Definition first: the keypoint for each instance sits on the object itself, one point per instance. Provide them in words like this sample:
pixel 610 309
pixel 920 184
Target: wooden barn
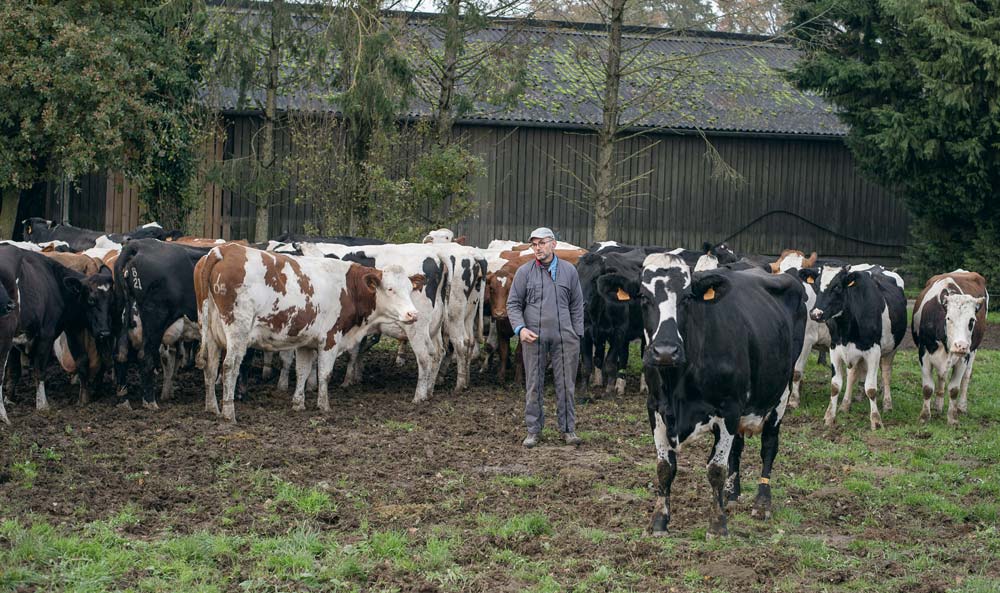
pixel 796 183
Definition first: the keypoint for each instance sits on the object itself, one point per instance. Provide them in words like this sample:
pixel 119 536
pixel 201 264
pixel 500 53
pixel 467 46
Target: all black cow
pixel 50 299
pixel 865 310
pixel 154 287
pixel 722 348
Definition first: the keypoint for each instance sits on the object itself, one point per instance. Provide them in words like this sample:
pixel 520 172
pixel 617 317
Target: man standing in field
pixel 545 306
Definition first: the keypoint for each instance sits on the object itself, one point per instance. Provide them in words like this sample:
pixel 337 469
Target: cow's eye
pixel 972 322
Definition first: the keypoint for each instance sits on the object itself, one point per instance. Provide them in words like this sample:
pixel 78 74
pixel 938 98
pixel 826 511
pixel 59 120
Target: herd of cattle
pixel 725 337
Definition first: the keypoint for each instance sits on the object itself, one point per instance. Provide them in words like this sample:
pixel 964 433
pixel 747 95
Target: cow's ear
pixel 461 240
pixel 418 281
pixel 807 276
pixel 851 278
pixel 52 224
pixel 979 303
pixel 373 280
pixel 706 247
pixel 809 261
pixel 710 287
pixel 73 284
pixel 617 288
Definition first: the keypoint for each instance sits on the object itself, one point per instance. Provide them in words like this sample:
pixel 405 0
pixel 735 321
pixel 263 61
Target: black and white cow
pixel 865 309
pixel 154 287
pixel 949 320
pixel 50 299
pixel 40 230
pixel 721 351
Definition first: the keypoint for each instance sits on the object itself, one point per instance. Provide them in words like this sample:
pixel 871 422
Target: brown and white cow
pixel 252 298
pixel 949 320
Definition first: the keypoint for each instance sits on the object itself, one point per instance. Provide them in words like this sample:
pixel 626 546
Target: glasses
pixel 537 244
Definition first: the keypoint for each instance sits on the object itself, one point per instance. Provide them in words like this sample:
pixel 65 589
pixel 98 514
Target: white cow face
pixel 392 295
pixel 960 320
pixel 666 280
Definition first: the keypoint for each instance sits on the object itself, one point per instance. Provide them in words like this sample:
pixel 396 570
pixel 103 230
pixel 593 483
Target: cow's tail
pixel 203 301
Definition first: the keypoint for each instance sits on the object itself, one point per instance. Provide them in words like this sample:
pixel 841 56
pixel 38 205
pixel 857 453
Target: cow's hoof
pixel 829 420
pixel 298 407
pixel 761 512
pixel 952 420
pixel 43 409
pixel 716 531
pixel 212 410
pixel 876 422
pixel 124 405
pixel 658 526
pixel 150 405
pixel 229 413
pixel 925 415
pixel 793 402
pixel 886 405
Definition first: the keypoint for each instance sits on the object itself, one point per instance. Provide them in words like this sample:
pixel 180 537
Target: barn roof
pixel 735 83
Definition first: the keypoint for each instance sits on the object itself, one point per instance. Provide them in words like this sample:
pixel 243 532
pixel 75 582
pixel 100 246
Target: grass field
pixel 383 495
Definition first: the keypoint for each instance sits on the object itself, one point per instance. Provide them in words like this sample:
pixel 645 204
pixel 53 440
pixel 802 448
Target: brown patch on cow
pixel 224 273
pixel 84 264
pixel 834 390
pixel 871 393
pixel 419 281
pixel 357 301
pixel 275 277
pixel 292 319
pixel 807 262
pixel 796 376
pixel 461 240
pixel 110 258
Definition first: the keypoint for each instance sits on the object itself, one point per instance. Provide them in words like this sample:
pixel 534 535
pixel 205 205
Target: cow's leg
pixel 612 365
pixel 852 379
pixel 168 361
pixel 352 375
pixel 666 469
pixel 324 366
pixel 121 354
pixel 287 358
pixel 823 357
pixel 835 384
pixel 266 365
pixel 872 359
pixel 597 379
pixel 927 381
pixel 12 375
pixel 463 348
pixel 955 389
pixel 492 342
pixel 963 399
pixel 304 358
pixel 885 364
pixel 4 355
pixel 768 451
pixel 209 356
pixel 423 349
pixel 401 353
pixel 235 352
pixel 939 382
pixel 733 489
pixel 800 369
pixel 622 369
pixel 152 338
pixel 718 470
pixel 587 354
pixel 503 349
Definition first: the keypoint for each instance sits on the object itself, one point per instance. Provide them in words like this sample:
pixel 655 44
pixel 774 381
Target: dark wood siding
pixel 792 192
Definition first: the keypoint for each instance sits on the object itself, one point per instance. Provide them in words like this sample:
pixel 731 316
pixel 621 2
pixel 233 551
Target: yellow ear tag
pixel 810 280
pixel 623 296
pixel 709 295
pixel 851 283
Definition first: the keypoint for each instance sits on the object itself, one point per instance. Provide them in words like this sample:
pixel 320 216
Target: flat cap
pixel 542 233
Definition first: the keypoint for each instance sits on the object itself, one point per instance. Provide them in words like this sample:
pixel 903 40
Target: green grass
pixel 518 526
pixel 308 501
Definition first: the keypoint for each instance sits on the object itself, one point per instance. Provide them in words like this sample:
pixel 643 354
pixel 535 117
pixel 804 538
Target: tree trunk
pixel 454 40
pixel 267 163
pixel 8 212
pixel 608 134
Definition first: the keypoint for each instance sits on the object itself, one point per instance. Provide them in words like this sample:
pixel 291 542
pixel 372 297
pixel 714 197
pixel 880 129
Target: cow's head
pixel 37 230
pixel 391 287
pixel 664 287
pixel 714 256
pixel 497 290
pixel 441 236
pixel 94 294
pixel 832 299
pixel 589 268
pixel 960 319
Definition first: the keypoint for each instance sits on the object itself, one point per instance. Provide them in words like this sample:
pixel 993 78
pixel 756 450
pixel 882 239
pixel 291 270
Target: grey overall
pixel 553 309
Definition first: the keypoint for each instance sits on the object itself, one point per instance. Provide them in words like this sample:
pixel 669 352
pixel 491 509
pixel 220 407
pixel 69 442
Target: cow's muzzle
pixel 960 348
pixel 664 355
pixel 410 317
pixel 816 314
pixel 103 334
pixel 8 307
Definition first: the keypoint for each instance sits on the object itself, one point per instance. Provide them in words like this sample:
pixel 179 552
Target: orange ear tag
pixel 623 296
pixel 810 280
pixel 851 283
pixel 709 295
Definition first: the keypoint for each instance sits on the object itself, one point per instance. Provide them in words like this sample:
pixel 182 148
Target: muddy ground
pixel 389 464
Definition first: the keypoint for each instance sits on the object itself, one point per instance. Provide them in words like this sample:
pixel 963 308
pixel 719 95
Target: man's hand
pixel 527 335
